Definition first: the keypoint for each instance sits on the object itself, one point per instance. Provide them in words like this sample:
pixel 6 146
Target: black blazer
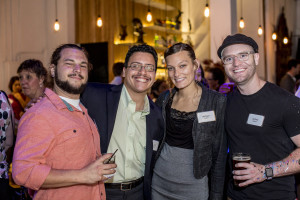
pixel 101 101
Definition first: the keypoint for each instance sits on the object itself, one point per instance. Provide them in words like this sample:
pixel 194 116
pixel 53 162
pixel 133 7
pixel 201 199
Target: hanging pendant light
pixel 206 10
pixel 242 23
pixel 56 23
pixel 274 36
pixel 149 15
pixel 99 21
pixel 285 40
pixel 260 30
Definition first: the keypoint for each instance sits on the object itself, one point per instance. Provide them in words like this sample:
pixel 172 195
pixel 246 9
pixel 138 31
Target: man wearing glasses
pixel 129 121
pixel 262 120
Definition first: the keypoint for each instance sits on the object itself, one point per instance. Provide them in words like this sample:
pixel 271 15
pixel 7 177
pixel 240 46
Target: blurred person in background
pixel 215 77
pixel 33 78
pixel 288 81
pixel 117 70
pixel 159 86
pixel 199 76
pixel 17 99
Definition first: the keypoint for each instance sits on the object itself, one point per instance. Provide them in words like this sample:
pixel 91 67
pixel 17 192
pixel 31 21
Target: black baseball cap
pixel 237 39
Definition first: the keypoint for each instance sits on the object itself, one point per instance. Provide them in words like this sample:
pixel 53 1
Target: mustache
pixel 72 75
pixel 141 76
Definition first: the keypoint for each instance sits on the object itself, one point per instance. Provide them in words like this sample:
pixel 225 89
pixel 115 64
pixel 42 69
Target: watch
pixel 269 173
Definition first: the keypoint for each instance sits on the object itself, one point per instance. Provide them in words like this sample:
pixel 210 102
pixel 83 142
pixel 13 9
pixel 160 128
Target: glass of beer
pixel 239 158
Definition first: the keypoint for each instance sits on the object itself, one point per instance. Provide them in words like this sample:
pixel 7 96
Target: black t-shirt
pixel 278 111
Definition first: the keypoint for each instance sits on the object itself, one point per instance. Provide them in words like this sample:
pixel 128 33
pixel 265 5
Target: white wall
pixel 26 31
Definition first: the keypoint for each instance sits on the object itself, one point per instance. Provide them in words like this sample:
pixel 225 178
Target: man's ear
pixel 123 73
pixel 256 58
pixel 52 70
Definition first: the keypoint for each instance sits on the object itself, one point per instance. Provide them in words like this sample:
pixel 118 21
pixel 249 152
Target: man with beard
pixel 129 121
pixel 262 120
pixel 57 152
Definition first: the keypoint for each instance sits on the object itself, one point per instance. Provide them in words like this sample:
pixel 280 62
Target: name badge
pixel 256 120
pixel 208 116
pixel 155 145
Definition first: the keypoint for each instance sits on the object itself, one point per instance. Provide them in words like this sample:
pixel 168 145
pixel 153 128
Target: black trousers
pixel 134 194
pixel 4 189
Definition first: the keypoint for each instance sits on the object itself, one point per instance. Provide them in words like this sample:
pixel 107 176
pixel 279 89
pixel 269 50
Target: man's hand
pixel 95 171
pixel 253 173
pixel 90 174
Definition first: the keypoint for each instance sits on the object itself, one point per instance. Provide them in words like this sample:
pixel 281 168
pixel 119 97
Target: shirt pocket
pixel 72 145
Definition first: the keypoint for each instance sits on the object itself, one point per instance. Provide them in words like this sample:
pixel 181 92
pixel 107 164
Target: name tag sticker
pixel 256 120
pixel 208 116
pixel 155 145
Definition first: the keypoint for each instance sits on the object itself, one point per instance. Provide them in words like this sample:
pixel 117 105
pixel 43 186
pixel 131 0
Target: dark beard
pixel 65 86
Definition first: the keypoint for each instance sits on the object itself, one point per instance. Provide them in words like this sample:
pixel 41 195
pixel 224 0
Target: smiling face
pixel 181 69
pixel 31 84
pixel 139 81
pixel 71 73
pixel 240 72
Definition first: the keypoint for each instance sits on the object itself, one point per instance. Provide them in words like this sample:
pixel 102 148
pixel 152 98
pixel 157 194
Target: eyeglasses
pixel 244 56
pixel 139 66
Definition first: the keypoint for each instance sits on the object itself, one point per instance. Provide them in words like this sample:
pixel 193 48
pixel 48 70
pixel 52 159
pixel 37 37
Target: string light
pixel 206 10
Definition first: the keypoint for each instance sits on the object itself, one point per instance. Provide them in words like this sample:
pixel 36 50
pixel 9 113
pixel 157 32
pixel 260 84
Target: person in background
pixel 262 120
pixel 33 78
pixel 199 76
pixel 288 81
pixel 6 141
pixel 159 86
pixel 215 77
pixel 193 154
pixel 129 121
pixel 17 99
pixel 57 151
pixel 117 70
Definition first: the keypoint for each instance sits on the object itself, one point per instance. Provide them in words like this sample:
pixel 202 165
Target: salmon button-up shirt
pixel 54 135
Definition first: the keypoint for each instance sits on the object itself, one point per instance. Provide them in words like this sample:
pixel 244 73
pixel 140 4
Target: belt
pixel 125 185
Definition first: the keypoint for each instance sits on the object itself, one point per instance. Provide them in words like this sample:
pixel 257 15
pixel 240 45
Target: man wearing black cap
pixel 262 120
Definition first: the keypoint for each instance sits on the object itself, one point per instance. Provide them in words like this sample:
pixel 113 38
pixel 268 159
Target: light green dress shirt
pixel 129 136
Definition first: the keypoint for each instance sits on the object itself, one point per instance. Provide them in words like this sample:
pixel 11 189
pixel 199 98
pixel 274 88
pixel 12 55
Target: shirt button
pixel 74 131
pixel 83 113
